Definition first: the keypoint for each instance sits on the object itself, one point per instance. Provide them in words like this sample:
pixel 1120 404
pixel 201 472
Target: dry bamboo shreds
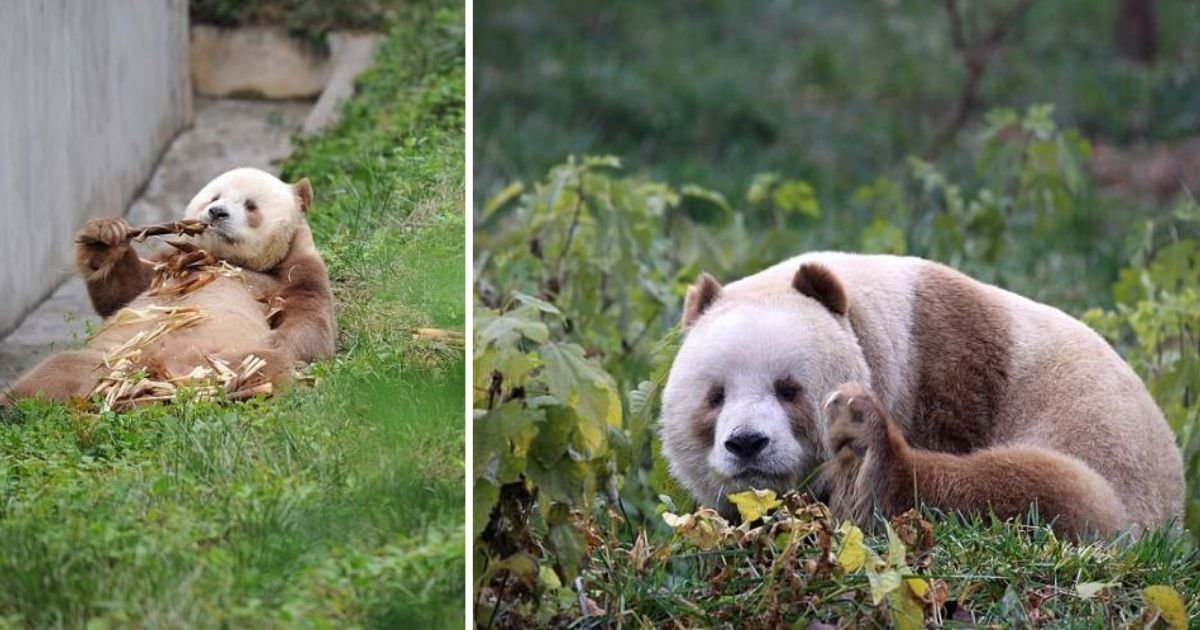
pixel 436 334
pixel 140 233
pixel 274 305
pixel 128 385
pixel 179 228
pixel 168 318
pixel 188 271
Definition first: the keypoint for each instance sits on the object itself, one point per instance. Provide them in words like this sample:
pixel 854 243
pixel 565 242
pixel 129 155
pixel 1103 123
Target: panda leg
pixel 874 468
pixel 59 377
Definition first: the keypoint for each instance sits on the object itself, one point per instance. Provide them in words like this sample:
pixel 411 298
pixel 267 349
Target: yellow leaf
pixel 918 586
pixel 908 611
pixel 754 504
pixel 896 550
pixel 852 554
pixel 1168 603
pixel 549 578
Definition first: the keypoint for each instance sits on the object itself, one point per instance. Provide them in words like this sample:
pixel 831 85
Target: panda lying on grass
pixel 234 307
pixel 886 382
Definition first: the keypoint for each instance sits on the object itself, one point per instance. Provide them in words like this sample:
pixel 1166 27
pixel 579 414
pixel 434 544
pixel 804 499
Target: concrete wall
pixel 91 91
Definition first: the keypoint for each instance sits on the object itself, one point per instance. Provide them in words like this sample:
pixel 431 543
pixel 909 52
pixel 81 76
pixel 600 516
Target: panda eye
pixel 787 390
pixel 251 206
pixel 716 397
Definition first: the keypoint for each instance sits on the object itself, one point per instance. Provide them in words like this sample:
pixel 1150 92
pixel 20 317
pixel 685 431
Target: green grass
pixel 1008 574
pixel 332 506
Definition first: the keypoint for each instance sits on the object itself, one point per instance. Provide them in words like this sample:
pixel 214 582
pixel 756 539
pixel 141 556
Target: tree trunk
pixel 1137 31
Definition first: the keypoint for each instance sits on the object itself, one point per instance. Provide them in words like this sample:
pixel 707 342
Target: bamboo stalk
pixel 437 334
pixel 178 228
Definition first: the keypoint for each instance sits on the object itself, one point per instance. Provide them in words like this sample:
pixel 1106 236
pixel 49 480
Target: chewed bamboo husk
pixel 129 385
pixel 168 318
pixel 274 305
pixel 452 337
pixel 178 228
pixel 189 270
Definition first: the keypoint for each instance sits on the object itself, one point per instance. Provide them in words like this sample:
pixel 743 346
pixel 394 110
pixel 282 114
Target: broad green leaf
pixel 760 187
pixel 568 547
pixel 797 197
pixel 483 500
pixel 1168 603
pixel 509 328
pixel 537 303
pixel 548 578
pixel 754 504
pixel 520 564
pixel 580 383
pixel 896 551
pixel 502 440
pixel 711 196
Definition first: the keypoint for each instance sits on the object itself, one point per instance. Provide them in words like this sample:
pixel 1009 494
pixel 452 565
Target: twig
pixel 975 57
pixel 178 228
pixel 558 278
pixel 437 334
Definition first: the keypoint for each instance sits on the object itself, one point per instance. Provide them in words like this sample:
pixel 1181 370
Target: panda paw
pixel 856 420
pixel 103 232
pixel 101 242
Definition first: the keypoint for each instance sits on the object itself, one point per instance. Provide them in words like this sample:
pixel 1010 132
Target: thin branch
pixel 974 57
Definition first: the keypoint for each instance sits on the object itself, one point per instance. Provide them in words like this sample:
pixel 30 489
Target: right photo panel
pixel 836 314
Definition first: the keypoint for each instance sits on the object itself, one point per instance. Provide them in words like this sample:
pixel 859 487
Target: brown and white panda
pixel 270 298
pixel 890 381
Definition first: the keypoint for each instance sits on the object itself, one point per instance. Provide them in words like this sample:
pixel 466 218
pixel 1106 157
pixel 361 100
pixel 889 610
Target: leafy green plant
pixel 546 428
pixel 569 482
pixel 1156 325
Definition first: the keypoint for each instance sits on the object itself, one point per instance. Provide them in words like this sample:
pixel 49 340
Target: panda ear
pixel 818 282
pixel 304 193
pixel 700 296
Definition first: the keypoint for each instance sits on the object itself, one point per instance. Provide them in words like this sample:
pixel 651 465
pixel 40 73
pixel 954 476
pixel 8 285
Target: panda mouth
pixel 757 478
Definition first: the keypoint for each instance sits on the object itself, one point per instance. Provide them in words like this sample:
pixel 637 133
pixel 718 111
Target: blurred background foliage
pixel 1048 147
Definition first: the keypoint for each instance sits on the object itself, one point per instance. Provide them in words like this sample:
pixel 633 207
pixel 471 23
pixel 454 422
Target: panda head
pixel 252 217
pixel 742 404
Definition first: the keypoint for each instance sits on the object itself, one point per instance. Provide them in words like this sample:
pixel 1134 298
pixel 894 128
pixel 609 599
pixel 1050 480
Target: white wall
pixel 91 91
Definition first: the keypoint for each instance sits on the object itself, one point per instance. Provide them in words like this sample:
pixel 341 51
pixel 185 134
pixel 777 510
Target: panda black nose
pixel 217 213
pixel 747 444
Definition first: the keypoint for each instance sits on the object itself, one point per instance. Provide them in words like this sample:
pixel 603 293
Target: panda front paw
pixel 101 242
pixel 845 416
pixel 856 421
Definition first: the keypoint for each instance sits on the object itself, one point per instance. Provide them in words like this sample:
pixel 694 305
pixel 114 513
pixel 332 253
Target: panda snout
pixel 747 444
pixel 216 213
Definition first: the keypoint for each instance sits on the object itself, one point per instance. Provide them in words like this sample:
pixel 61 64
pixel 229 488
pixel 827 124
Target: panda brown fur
pixel 256 224
pixel 889 382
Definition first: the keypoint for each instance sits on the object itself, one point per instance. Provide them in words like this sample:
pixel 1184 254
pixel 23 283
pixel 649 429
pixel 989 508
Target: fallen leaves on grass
pixel 1165 602
pixel 754 504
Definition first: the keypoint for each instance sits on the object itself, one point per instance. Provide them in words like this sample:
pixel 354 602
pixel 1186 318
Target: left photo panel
pixel 232 356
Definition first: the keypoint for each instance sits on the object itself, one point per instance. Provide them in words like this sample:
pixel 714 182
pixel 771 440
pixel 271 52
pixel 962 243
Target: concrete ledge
pixel 351 54
pixel 255 62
